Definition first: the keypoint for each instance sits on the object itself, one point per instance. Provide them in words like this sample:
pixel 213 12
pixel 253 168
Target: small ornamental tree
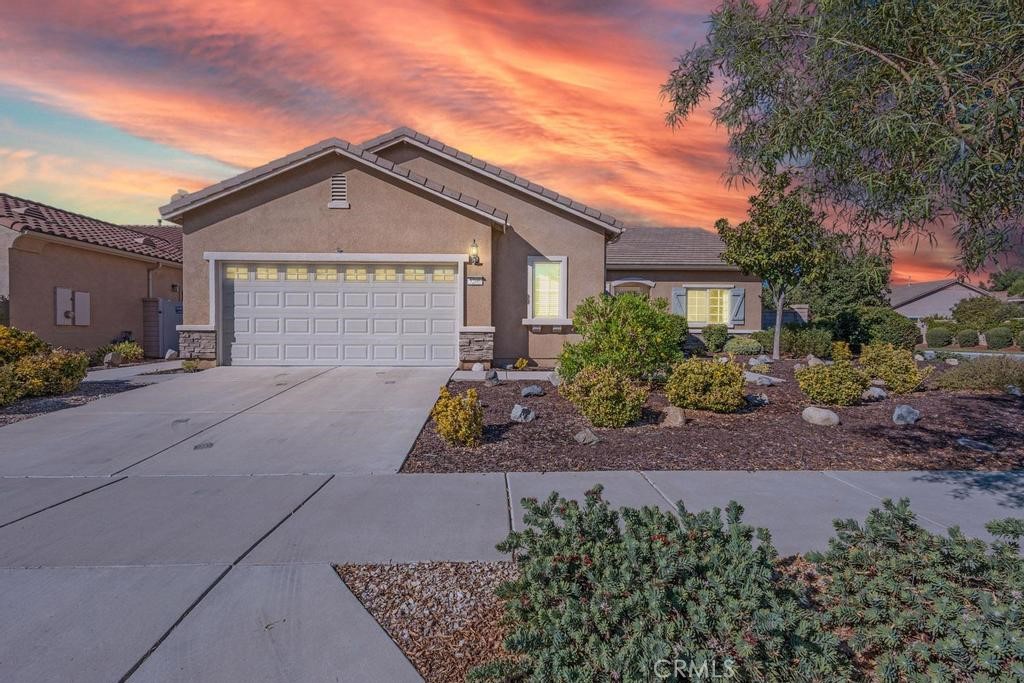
pixel 783 243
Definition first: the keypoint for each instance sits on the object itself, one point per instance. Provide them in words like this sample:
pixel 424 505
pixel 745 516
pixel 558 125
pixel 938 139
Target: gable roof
pixel 343 148
pixel 25 215
pixel 904 294
pixel 667 247
pixel 603 220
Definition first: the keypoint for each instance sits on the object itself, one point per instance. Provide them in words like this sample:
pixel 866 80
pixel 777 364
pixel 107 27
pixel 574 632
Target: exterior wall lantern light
pixel 474 254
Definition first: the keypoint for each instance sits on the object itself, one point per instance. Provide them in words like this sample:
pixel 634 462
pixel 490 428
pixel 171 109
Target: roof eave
pixel 671 266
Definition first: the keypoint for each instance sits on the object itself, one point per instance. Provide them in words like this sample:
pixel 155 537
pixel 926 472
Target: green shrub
pixel 803 341
pixel 998 337
pixel 841 351
pixel 921 606
pixel 99 353
pixel 989 372
pixel 967 338
pixel 11 387
pixel 605 396
pixel 896 366
pixel 190 365
pixel 459 419
pixel 51 374
pixel 1016 325
pixel 939 337
pixel 939 321
pixel 983 312
pixel 885 326
pixel 15 344
pixel 715 337
pixel 706 385
pixel 743 346
pixel 131 351
pixel 628 332
pixel 1020 340
pixel 839 384
pixel 604 597
pixel 766 338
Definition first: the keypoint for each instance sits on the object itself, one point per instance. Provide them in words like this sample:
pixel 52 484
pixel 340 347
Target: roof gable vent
pixel 339 192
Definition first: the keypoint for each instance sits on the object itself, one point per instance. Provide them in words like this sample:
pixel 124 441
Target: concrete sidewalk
pixel 130 371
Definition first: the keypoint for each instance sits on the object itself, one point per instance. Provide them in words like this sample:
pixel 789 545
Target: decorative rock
pixel 522 414
pixel 928 355
pixel 919 357
pixel 874 394
pixel 761 380
pixel 813 360
pixel 556 379
pixel 674 417
pixel 586 437
pixel 492 382
pixel 478 367
pixel 797 367
pixel 171 355
pixel 112 359
pixel 756 400
pixel 830 363
pixel 723 360
pixel 820 416
pixel 953 361
pixel 532 390
pixel 878 383
pixel 491 374
pixel 975 445
pixel 905 415
pixel 1014 390
pixel 763 359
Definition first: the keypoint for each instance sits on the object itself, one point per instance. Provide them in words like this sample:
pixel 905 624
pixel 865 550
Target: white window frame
pixel 705 287
pixel 563 298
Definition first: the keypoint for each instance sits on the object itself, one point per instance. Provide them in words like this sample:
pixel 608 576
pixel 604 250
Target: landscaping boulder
pixel 492 382
pixel 1013 390
pixel 478 367
pixel 723 359
pixel 975 445
pixel 532 390
pixel 953 361
pixel 878 383
pixel 586 437
pixel 112 360
pixel 674 417
pixel 763 359
pixel 491 374
pixel 919 357
pixel 522 414
pixel 928 355
pixel 820 416
pixel 761 380
pixel 874 394
pixel 756 400
pixel 556 379
pixel 171 355
pixel 905 415
pixel 813 360
pixel 797 367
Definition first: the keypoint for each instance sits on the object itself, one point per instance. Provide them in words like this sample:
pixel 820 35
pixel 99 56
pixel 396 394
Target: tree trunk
pixel 777 342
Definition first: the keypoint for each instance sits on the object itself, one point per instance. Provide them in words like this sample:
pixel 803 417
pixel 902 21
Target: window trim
pixel 563 299
pixel 704 287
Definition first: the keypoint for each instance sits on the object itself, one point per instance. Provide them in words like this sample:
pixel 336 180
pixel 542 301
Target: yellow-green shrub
pixel 762 368
pixel 15 344
pixel 706 385
pixel 896 366
pixel 841 351
pixel 131 351
pixel 606 396
pixel 51 374
pixel 459 419
pixel 839 384
pixel 10 385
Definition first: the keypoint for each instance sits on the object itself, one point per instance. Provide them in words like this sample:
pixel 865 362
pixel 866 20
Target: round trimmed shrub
pixel 131 351
pixel 896 366
pixel 459 419
pixel 840 384
pixel 967 338
pixel 939 337
pixel 803 341
pixel 15 344
pixel 886 326
pixel 51 374
pixel 743 346
pixel 998 337
pixel 706 385
pixel 841 351
pixel 715 337
pixel 11 388
pixel 607 397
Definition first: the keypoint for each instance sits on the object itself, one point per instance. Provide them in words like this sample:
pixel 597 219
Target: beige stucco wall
pixel 937 303
pixel 665 280
pixel 116 287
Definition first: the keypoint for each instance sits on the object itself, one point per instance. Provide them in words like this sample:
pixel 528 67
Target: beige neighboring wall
pixel 937 303
pixel 116 286
pixel 535 229
pixel 666 280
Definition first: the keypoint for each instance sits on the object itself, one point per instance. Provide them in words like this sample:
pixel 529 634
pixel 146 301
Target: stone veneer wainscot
pixel 197 344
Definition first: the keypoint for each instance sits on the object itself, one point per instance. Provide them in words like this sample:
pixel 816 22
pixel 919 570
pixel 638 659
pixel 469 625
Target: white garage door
pixel 339 314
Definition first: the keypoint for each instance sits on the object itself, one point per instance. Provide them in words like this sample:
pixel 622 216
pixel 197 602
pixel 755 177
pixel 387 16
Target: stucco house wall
pixel 937 303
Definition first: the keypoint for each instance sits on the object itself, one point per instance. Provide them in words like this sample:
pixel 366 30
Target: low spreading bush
pixel 605 396
pixel 628 332
pixel 939 337
pixel 766 338
pixel 840 384
pixel 998 337
pixel 896 366
pixel 841 351
pixel 803 341
pixel 1020 340
pixel 989 372
pixel 706 385
pixel 190 365
pixel 51 374
pixel 15 344
pixel 131 351
pixel 967 338
pixel 715 337
pixel 459 419
pixel 743 346
pixel 762 368
pixel 10 385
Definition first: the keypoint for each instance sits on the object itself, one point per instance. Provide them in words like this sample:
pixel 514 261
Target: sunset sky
pixel 108 108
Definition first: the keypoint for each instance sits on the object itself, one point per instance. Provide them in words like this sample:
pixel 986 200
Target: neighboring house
pixel 924 299
pixel 80 282
pixel 399 251
pixel 685 267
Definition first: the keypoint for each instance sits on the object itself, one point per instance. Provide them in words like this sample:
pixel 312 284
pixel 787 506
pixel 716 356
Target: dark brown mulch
pixel 443 615
pixel 88 391
pixel 773 437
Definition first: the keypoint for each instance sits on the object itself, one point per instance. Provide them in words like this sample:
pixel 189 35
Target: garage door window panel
pixel 266 272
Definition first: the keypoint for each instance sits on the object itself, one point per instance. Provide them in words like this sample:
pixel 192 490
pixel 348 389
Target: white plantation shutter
pixel 546 294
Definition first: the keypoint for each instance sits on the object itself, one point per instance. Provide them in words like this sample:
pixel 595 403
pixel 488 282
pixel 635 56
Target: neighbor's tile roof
pixel 162 242
pixel 902 294
pixel 177 206
pixel 404 133
pixel 666 247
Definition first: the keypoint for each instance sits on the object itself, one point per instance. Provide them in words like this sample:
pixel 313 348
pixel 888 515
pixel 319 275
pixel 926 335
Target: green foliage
pixel 15 344
pixel 967 338
pixel 762 368
pixel 800 340
pixel 51 374
pixel 1003 280
pixel 607 397
pixel 923 606
pixel 743 346
pixel 882 325
pixel 628 332
pixel 941 321
pixel 839 384
pixel 998 337
pixel 1020 340
pixel 896 366
pixel 983 312
pixel 939 337
pixel 706 385
pixel 715 337
pixel 459 419
pixel 989 372
pixel 11 388
pixel 602 598
pixel 190 365
pixel 897 116
pixel 856 276
pixel 841 351
pixel 131 351
pixel 5 311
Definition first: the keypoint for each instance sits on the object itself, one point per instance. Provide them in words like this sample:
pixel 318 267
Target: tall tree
pixel 856 276
pixel 897 116
pixel 782 242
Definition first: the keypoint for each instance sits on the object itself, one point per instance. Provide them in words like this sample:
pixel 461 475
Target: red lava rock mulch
pixel 443 615
pixel 88 391
pixel 773 437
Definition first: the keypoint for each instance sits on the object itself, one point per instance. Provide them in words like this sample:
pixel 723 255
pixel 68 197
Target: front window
pixel 707 306
pixel 547 288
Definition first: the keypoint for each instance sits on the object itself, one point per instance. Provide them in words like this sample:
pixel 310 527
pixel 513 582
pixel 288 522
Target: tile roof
pixel 607 221
pixel 162 242
pixel 666 247
pixel 337 145
pixel 904 294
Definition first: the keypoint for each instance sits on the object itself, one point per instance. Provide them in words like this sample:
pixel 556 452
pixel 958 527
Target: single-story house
pixel 79 282
pixel 923 299
pixel 401 250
